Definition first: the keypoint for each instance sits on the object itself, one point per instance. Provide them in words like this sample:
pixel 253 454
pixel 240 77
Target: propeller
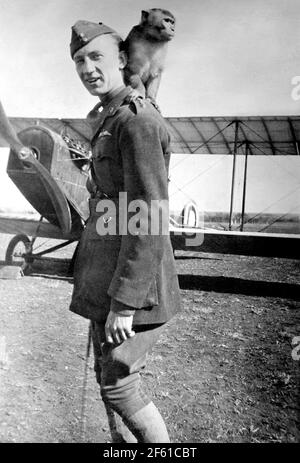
pixel 26 155
pixel 8 132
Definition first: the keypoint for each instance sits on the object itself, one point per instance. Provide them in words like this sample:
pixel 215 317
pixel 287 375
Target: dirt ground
pixel 224 371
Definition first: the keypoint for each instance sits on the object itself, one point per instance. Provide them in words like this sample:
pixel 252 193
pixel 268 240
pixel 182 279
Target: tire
pixel 20 244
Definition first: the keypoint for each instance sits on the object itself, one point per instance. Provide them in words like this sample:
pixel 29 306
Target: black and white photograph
pixel 150 224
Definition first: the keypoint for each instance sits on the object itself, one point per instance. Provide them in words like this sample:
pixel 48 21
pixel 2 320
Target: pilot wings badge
pixel 104 133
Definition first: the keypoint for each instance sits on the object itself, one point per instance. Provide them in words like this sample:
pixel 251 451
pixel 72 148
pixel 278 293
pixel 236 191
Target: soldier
pixel 125 283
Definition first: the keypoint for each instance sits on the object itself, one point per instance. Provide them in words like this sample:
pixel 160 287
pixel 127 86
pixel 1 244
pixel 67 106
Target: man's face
pixel 99 65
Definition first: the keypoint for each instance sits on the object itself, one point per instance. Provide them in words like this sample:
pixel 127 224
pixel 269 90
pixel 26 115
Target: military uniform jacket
pixel 117 269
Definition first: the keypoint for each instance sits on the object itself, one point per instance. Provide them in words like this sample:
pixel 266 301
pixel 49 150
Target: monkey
pixel 146 49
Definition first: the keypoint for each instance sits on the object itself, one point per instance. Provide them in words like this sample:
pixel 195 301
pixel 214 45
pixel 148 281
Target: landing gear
pixel 18 251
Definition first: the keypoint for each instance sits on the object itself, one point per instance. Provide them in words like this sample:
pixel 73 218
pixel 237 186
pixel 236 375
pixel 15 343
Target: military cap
pixel 85 31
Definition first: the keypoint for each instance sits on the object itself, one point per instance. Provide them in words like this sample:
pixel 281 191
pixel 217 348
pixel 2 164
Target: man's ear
pixel 122 60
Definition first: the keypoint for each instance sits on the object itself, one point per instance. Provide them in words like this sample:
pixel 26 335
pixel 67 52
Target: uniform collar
pixel 108 98
pixel 107 107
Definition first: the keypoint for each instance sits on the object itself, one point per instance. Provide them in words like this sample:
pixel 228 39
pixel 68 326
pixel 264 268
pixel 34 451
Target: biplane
pixel 54 179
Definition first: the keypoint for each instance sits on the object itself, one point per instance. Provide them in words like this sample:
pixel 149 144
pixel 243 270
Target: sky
pixel 228 57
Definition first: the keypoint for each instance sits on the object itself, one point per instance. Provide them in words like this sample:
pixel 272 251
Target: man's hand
pixel 118 328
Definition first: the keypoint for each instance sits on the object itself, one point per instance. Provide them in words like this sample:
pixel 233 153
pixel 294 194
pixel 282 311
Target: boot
pixel 119 432
pixel 147 425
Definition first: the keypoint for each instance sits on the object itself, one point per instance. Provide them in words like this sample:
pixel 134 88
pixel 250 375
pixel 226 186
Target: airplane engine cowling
pixel 54 154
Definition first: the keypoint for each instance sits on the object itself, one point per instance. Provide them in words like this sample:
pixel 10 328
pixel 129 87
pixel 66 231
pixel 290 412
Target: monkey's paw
pixel 135 95
pixel 153 102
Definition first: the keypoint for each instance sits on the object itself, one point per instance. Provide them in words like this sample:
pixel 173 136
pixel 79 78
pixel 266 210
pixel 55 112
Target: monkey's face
pixel 159 25
pixel 168 27
pixel 99 65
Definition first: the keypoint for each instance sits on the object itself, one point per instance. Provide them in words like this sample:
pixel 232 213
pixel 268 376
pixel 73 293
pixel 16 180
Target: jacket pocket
pixel 103 147
pixel 105 166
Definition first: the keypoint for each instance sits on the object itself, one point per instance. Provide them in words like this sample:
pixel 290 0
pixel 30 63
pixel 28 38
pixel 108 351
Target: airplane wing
pixel 267 135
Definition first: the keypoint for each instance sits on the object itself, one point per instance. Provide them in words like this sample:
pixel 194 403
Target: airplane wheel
pixel 18 247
